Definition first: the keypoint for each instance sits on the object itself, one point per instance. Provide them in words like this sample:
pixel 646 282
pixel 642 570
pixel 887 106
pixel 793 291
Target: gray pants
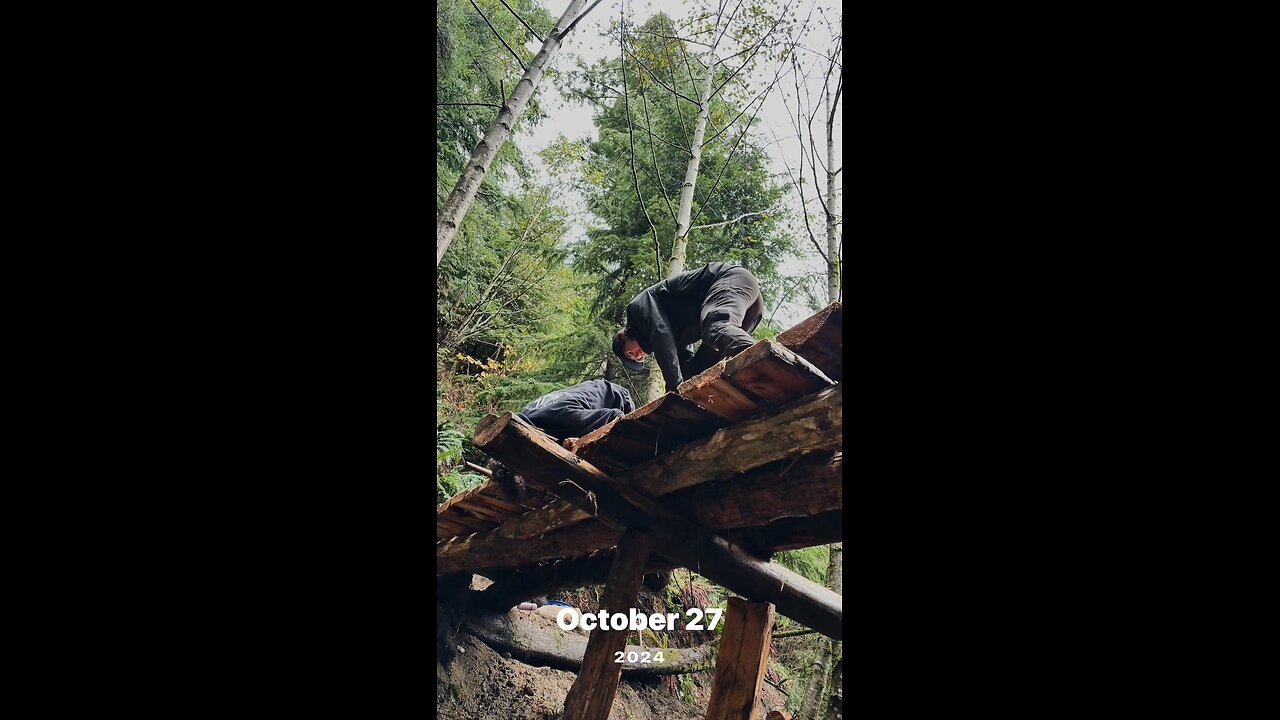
pixel 731 311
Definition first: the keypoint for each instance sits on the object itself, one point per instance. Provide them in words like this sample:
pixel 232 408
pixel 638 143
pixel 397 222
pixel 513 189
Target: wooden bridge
pixel 740 462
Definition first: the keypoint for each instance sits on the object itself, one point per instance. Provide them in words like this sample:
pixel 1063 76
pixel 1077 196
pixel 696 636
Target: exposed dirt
pixel 481 684
pixel 475 682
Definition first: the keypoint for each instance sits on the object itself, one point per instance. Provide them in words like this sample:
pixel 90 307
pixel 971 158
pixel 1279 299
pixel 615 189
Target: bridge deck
pixel 754 384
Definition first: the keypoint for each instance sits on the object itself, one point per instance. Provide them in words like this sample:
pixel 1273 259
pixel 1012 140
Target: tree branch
pixel 574 24
pixel 728 222
pixel 644 101
pixel 654 75
pixel 626 106
pixel 499 36
pixel 522 22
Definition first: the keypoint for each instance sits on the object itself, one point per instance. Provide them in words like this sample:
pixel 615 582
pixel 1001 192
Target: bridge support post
pixel 593 691
pixel 742 661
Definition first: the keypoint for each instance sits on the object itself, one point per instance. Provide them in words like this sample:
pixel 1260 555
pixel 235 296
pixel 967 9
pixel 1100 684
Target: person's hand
pixel 569 443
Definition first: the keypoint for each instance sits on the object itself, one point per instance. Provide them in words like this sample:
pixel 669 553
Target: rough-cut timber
pixel 489 550
pixel 592 569
pixel 812 424
pixel 455 208
pixel 819 339
pixel 740 667
pixel 536 457
pixel 532 641
pixel 795 489
pixel 485 505
pixel 592 693
pixel 790 533
pixel 761 378
pixel 651 430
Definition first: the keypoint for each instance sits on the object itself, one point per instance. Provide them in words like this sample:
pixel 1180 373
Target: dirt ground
pixel 481 684
pixel 478 683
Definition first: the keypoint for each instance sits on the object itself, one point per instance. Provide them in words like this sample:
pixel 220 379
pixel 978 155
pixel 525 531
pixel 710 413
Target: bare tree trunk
pixel 680 251
pixel 657 384
pixel 814 704
pixel 833 211
pixel 455 208
pixel 835 701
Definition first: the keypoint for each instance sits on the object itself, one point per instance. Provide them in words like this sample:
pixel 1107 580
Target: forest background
pixel 664 135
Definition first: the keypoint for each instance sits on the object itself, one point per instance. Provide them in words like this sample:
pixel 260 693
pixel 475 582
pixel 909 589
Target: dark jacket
pixel 579 409
pixel 666 318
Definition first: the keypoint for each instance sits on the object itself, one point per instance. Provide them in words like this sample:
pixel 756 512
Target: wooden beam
pixel 764 376
pixel 488 550
pixel 801 488
pixel 591 696
pixel 538 580
pixel 528 451
pixel 820 340
pixel 791 533
pixel 743 657
pixel 812 424
pixel 795 487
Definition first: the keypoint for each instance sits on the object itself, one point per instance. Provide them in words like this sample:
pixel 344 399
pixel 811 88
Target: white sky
pixel 575 120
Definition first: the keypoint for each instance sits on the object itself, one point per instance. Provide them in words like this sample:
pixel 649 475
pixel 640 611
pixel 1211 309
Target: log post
pixel 592 693
pixel 740 667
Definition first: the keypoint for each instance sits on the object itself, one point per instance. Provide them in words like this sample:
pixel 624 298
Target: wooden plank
pixel 803 492
pixel 820 340
pixel 528 451
pixel 742 660
pixel 488 550
pixel 591 696
pixel 482 513
pixel 797 487
pixel 533 524
pixel 791 533
pixel 654 429
pixel 462 496
pixel 498 503
pixel 711 391
pixel 777 376
pixel 813 424
pixel 467 521
pixel 450 528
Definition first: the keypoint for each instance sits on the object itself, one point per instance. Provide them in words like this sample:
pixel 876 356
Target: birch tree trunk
pixel 681 247
pixel 833 211
pixel 455 208
pixel 657 385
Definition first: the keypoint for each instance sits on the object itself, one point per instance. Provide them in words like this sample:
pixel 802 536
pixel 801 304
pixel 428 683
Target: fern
pixel 450 477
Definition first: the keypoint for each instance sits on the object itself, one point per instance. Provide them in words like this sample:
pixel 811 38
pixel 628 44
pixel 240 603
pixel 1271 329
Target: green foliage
pixel 734 179
pixel 450 477
pixel 811 562
pixel 686 688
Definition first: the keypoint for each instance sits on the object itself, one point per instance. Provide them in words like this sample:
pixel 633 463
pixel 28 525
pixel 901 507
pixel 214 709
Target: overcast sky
pixel 575 120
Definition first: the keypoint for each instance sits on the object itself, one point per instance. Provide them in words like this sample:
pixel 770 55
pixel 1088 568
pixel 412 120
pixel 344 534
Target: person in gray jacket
pixel 566 415
pixel 718 303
